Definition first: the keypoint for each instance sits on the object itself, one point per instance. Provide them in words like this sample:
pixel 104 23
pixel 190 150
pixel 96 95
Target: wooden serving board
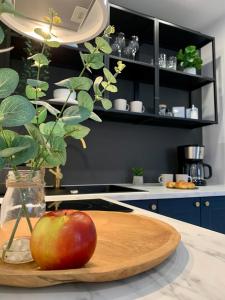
pixel 128 244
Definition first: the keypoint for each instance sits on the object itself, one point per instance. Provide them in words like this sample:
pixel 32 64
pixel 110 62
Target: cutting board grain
pixel 128 244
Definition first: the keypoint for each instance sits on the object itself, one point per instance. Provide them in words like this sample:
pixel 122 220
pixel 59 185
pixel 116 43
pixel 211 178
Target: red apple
pixel 63 239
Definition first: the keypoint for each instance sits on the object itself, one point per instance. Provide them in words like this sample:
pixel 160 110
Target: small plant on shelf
pixel 138 174
pixel 190 59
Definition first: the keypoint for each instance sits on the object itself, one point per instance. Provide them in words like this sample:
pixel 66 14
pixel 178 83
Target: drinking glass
pixel 162 60
pixel 172 63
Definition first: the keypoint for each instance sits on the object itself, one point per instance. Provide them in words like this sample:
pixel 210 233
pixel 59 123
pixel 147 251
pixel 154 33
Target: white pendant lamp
pixel 82 20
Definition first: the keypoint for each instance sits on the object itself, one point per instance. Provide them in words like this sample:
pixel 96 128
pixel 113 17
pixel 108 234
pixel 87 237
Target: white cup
pixel 121 104
pixel 183 177
pixel 62 94
pixel 137 106
pixel 164 178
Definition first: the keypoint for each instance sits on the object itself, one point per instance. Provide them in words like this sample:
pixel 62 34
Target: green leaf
pixel 89 47
pixel 109 76
pixel 43 85
pixel 53 44
pixel 16 111
pixel 74 115
pixel 48 106
pixel 109 87
pixel 56 154
pixel 52 128
pixel 8 136
pixel 42 33
pixel 40 60
pixel 77 131
pixel 106 103
pixel 9 80
pixel 33 93
pixel 97 82
pixel 6 7
pixel 2 35
pixel 85 100
pixel 24 155
pixel 35 133
pixel 76 83
pixel 103 45
pixel 95 117
pixel 5 153
pixel 94 60
pixel 41 115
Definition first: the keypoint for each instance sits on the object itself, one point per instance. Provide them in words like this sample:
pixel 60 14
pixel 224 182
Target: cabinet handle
pixel 207 203
pixel 197 204
pixel 153 207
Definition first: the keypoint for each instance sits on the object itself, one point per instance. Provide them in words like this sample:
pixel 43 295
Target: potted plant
pixel 190 59
pixel 138 174
pixel 44 143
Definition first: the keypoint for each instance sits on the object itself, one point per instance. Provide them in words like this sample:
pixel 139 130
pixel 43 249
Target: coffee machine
pixel 190 161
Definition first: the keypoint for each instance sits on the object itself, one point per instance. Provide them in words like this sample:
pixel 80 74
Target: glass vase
pixel 22 206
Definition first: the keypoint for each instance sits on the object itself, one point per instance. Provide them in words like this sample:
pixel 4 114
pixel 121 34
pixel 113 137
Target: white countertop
pixel 155 191
pixel 196 271
pixel 152 191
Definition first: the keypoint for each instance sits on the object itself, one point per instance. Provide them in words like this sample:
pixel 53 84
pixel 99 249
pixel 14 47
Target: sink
pixel 89 189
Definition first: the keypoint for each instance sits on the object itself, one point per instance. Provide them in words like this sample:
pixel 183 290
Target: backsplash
pixel 114 148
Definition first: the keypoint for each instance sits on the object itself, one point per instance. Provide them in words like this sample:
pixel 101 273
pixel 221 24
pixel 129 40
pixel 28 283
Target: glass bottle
pixel 119 44
pixel 131 50
pixel 22 206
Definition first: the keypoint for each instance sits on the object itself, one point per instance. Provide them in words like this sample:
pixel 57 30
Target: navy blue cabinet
pixel 184 209
pixel 213 213
pixel 150 205
pixel 208 212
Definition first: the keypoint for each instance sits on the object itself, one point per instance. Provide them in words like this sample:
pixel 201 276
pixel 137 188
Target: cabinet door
pixel 184 209
pixel 213 213
pixel 150 205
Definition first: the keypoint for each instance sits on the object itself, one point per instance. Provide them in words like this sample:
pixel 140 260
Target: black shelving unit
pixel 158 35
pixel 142 79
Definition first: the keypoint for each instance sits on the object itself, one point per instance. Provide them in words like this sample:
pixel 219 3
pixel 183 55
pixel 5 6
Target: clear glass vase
pixel 22 206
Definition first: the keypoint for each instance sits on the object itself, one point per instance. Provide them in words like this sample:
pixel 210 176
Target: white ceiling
pixel 195 14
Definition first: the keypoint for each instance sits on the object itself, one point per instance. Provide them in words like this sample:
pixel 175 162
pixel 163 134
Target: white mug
pixel 137 106
pixel 183 177
pixel 62 94
pixel 164 178
pixel 121 104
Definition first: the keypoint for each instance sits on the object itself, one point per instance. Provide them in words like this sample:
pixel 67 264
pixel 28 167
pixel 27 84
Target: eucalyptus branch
pixel 9 244
pixel 38 165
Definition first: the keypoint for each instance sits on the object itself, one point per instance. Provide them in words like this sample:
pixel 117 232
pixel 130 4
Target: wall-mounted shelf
pixel 167 86
pixel 150 119
pixel 181 80
pixel 141 79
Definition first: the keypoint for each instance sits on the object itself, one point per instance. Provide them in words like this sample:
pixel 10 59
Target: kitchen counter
pixel 155 191
pixel 194 272
pixel 152 191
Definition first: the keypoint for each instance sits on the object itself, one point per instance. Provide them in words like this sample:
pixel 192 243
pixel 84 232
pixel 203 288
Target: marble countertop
pixel 156 191
pixel 194 272
pixel 151 191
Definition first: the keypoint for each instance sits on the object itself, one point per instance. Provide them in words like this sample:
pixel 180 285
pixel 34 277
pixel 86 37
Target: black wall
pixel 114 148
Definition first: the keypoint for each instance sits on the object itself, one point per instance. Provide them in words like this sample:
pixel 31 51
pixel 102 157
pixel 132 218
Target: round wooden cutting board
pixel 128 244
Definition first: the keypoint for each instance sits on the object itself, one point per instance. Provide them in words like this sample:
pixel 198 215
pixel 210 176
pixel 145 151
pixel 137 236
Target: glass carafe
pixel 22 206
